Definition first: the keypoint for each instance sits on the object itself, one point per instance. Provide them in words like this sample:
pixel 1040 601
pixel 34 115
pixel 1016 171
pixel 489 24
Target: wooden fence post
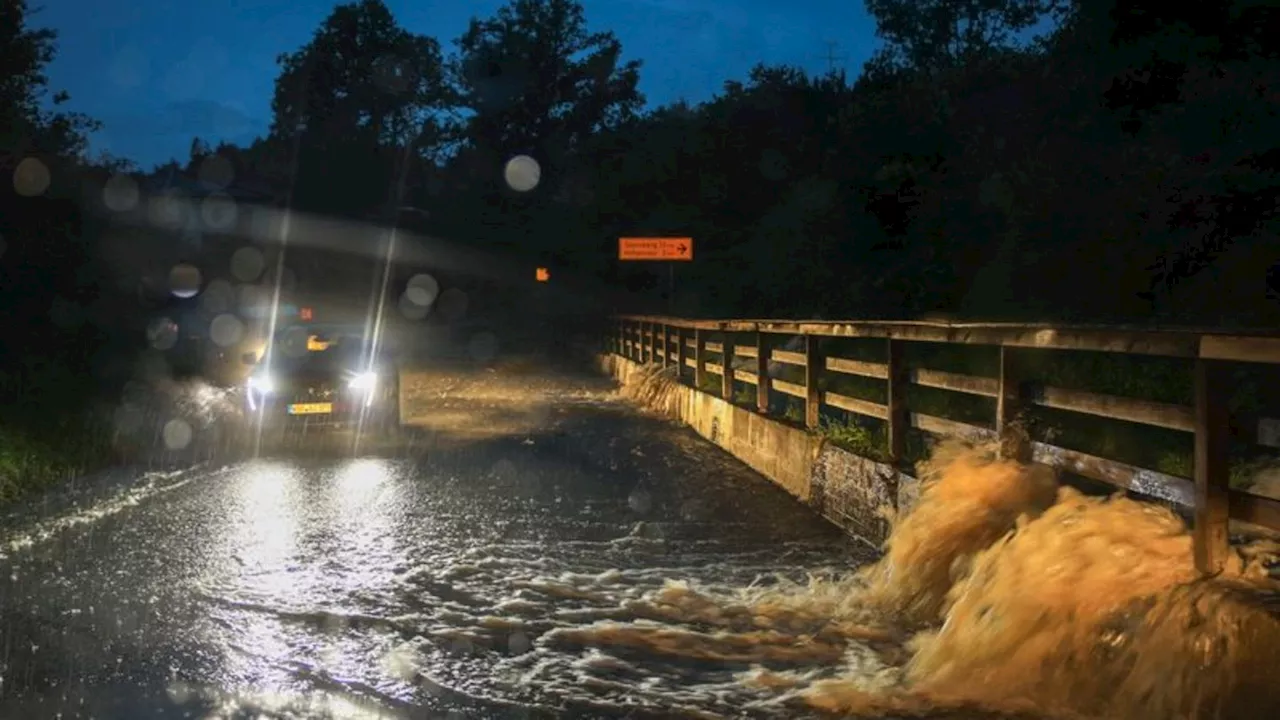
pixel 762 372
pixel 666 344
pixel 652 335
pixel 898 418
pixel 1212 468
pixel 1015 441
pixel 699 358
pixel 813 362
pixel 726 379
pixel 680 352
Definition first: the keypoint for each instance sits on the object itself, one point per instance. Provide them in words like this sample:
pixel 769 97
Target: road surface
pixel 469 570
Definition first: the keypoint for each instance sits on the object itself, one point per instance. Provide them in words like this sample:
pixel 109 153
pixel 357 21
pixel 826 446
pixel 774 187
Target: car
pixel 323 377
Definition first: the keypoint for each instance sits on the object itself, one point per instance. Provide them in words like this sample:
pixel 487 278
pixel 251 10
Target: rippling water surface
pixel 541 550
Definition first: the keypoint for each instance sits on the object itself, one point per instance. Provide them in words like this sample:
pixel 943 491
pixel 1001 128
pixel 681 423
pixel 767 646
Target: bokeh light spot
pixel 293 343
pixel 422 289
pixel 184 280
pixel 162 334
pixel 218 211
pixel 218 297
pixel 226 330
pixel 120 194
pixel 522 173
pixel 640 501
pixel 168 210
pixel 31 177
pixel 254 299
pixel 411 310
pixel 177 434
pixel 247 264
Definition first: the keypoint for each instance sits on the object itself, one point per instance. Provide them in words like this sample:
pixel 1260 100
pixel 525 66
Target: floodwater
pixel 540 549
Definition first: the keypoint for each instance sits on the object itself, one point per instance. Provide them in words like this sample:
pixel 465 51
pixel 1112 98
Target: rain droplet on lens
pixel 504 469
pixel 254 300
pixel 247 264
pixel 168 210
pixel 162 334
pixel 120 193
pixel 294 342
pixel 639 501
pixel 522 173
pixel 177 434
pixel 422 289
pixel 226 330
pixel 219 212
pixel 184 280
pixel 31 177
pixel 218 297
pixel 133 393
pixel 411 310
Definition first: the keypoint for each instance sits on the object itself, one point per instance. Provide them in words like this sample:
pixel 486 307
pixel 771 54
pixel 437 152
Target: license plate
pixel 310 408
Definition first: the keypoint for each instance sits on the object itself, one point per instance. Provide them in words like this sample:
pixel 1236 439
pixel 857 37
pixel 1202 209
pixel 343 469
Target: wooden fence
pixel 687 343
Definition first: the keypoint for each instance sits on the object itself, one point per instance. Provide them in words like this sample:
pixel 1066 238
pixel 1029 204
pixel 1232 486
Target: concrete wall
pixel 846 489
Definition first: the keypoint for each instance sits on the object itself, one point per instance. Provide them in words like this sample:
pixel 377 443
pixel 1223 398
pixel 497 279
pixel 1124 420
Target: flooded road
pixel 536 547
pixel 474 568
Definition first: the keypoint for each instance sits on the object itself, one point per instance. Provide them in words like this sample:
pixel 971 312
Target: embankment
pixel 851 491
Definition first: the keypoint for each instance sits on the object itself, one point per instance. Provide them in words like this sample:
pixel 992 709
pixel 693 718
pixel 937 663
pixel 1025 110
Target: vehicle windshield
pixel 299 348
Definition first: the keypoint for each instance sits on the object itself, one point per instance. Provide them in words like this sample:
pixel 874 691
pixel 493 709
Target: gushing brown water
pixel 999 592
pixel 1072 605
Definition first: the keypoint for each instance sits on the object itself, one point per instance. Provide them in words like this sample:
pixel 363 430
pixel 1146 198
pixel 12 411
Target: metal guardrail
pixel 649 339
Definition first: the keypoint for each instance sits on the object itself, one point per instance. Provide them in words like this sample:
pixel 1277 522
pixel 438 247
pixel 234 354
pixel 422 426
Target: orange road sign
pixel 543 275
pixel 680 248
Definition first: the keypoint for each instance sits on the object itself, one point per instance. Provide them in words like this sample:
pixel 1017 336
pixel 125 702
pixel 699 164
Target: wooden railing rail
pixel 685 343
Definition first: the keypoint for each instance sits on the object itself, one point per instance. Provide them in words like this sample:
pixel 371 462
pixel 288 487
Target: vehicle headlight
pixel 261 383
pixel 363 381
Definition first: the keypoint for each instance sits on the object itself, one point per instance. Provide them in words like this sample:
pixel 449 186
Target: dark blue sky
pixel 158 72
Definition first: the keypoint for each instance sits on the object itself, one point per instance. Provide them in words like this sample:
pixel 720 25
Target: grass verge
pixel 35 457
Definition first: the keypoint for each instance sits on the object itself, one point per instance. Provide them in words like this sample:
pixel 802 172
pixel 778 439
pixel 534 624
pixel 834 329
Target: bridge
pixel 537 546
pixel 696 350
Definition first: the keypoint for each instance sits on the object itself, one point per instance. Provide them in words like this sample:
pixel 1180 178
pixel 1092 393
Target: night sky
pixel 157 72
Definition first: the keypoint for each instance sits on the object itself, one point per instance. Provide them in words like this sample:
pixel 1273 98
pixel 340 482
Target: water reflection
pixel 301 550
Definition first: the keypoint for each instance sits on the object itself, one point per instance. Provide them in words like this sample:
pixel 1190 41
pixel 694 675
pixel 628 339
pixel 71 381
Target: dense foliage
pixel 1092 160
pixel 1011 159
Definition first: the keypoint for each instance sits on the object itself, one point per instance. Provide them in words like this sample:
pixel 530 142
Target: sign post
pixel 651 249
